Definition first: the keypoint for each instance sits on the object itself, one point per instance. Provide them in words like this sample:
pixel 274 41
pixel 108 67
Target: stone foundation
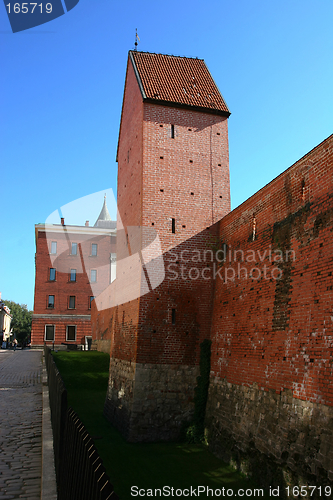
pixel 101 346
pixel 149 402
pixel 119 397
pixel 57 347
pixel 275 438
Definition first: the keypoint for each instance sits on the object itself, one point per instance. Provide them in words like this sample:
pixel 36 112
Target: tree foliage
pixel 21 322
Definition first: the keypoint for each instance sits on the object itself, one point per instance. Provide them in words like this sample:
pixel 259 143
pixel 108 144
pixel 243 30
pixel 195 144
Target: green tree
pixel 21 322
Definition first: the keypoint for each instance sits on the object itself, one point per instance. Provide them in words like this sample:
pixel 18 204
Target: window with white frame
pixel 94 249
pixel 50 332
pixel 50 302
pixel 53 247
pixel 74 249
pixel 93 276
pixel 71 302
pixel 71 333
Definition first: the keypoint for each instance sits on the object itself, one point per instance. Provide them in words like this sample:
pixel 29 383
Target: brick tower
pixel 173 177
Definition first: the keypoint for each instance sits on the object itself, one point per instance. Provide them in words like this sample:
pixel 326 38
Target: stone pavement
pixel 20 424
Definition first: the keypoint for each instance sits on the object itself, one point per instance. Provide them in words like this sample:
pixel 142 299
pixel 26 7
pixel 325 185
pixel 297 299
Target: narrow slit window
pixel 254 227
pixel 172 131
pixel 303 190
pixel 173 226
pixel 173 316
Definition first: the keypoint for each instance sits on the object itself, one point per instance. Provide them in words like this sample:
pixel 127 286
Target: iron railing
pixel 79 470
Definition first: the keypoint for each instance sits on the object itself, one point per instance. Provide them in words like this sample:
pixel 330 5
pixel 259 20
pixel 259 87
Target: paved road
pixel 20 424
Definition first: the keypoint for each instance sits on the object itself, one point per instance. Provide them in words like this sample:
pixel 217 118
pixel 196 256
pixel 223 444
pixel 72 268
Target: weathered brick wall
pixel 160 178
pixel 164 339
pixel 129 156
pixel 185 178
pixel 115 322
pixel 272 332
pixel 170 345
pixel 119 323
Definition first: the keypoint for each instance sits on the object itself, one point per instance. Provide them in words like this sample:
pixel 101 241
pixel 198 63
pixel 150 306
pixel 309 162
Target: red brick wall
pixel 185 290
pixel 62 288
pixel 279 332
pixel 129 156
pixel 160 178
pixel 83 328
pixel 186 178
pixel 111 324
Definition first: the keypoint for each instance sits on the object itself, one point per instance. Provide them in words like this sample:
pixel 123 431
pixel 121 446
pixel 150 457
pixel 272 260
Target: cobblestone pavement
pixel 20 424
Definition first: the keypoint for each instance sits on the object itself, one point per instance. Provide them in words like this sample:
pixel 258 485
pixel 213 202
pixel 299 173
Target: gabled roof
pixel 177 81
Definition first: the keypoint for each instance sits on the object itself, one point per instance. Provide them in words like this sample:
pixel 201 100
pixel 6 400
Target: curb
pixel 48 479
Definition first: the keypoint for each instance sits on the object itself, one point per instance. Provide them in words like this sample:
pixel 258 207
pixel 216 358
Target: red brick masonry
pixel 279 332
pixel 265 299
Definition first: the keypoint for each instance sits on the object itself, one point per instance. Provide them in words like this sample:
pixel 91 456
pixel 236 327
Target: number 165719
pixel 26 8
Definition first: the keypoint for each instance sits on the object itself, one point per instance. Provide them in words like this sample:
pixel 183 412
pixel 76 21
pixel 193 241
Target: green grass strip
pixel 147 466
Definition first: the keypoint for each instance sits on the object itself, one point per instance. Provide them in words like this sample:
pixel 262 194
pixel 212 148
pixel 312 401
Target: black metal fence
pixel 79 470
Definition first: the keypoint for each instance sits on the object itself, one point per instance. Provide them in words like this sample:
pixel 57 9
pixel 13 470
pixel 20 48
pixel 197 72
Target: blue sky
pixel 61 95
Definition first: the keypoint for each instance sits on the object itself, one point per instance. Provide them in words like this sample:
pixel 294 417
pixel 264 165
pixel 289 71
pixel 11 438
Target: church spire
pixel 104 216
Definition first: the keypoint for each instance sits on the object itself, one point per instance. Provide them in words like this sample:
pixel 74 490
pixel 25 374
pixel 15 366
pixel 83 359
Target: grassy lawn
pixel 146 466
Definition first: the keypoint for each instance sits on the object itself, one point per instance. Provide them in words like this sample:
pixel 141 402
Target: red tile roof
pixel 177 80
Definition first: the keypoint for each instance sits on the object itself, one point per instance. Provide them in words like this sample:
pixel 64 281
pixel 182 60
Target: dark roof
pixel 174 80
